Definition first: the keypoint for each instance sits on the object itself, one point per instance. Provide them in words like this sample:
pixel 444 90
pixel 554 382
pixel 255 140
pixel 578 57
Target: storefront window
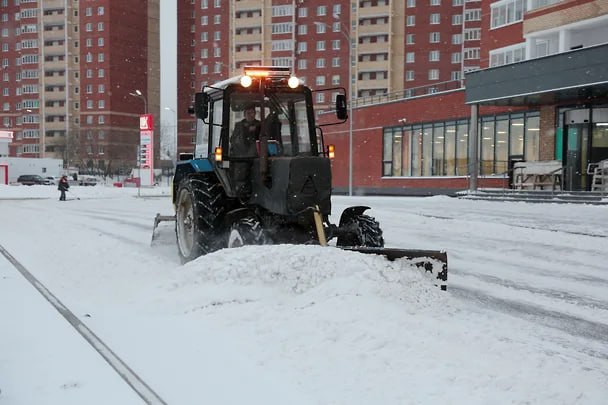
pixel 387 152
pixel 442 148
pixel 427 150
pixel 450 149
pixel 417 150
pixel 438 150
pixel 532 138
pixel 516 137
pixel 502 145
pixel 462 148
pixel 487 148
pixel 406 145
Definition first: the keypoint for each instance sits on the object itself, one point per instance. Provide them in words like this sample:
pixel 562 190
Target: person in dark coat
pixel 63 186
pixel 243 145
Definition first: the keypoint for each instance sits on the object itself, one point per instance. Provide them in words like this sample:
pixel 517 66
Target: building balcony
pixel 54 65
pixel 247 56
pixel 53 4
pixel 376 11
pixel 568 76
pixel 248 39
pixel 253 22
pixel 245 5
pixel 55 81
pixel 373 66
pixel 55 126
pixel 372 84
pixel 54 50
pixel 375 47
pixel 375 29
pixel 55 111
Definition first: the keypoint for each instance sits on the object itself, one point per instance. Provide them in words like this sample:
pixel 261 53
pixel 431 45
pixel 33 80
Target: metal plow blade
pixel 432 261
pixel 163 233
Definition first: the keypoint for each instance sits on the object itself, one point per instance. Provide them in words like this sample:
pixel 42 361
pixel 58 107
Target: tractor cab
pixel 259 132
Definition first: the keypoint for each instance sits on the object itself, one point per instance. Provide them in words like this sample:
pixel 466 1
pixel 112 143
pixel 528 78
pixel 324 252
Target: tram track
pixel 137 384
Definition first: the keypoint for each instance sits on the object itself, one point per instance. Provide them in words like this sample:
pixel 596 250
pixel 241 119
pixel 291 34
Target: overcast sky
pixel 168 59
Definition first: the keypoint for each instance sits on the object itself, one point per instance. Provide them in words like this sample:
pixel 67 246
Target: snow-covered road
pixel 524 320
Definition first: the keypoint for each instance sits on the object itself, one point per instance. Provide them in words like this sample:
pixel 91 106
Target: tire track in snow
pixel 572 325
pixel 122 369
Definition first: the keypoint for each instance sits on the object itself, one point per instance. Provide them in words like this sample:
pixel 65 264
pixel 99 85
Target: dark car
pixel 31 179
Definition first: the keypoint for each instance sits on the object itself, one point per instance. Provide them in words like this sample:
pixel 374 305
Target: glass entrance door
pixel 577 155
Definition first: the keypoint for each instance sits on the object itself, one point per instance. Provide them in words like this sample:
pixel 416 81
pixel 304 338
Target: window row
pixel 442 148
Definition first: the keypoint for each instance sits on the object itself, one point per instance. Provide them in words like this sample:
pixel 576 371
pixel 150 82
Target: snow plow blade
pixel 432 261
pixel 156 232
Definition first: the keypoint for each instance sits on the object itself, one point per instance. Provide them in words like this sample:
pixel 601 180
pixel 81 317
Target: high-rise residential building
pixel 76 75
pixel 408 63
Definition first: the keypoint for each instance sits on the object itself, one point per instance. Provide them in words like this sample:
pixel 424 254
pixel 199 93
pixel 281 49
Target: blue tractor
pixel 260 173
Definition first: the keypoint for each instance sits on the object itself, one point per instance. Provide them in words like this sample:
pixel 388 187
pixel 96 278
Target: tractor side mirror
pixel 341 109
pixel 201 105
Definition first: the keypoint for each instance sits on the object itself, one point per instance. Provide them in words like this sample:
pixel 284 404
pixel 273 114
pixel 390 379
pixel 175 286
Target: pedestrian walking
pixel 63 187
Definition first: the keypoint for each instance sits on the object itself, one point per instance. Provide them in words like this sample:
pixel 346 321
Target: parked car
pixel 31 179
pixel 53 180
pixel 87 181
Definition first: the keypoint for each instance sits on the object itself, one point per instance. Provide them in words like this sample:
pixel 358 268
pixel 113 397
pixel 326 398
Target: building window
pixel 434 56
pixel 410 39
pixel 506 12
pixel 320 45
pixel 409 75
pixel 410 57
pixel 507 55
pixel 410 20
pixel 434 37
pixel 321 10
pixel 435 18
pixel 472 34
pixel 320 62
pixel 433 74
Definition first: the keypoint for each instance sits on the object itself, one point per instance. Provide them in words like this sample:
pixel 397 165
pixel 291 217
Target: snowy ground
pixel 524 320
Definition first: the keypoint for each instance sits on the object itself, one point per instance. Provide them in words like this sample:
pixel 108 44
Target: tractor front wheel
pixel 247 231
pixel 363 230
pixel 198 217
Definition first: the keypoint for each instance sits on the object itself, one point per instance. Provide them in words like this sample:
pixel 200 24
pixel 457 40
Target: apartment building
pixel 418 73
pixel 76 75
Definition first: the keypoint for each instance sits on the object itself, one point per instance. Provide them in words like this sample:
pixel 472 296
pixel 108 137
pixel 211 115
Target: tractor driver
pixel 243 145
pixel 246 133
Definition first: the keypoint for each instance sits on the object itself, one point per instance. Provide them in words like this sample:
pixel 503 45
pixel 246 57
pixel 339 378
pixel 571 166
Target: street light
pixel 139 94
pixel 175 132
pixel 350 104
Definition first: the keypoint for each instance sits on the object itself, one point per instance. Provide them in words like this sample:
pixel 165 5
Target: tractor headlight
pixel 246 81
pixel 293 82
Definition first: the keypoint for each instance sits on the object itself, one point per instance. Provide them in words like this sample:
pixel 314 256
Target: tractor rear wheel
pixel 365 232
pixel 247 231
pixel 198 213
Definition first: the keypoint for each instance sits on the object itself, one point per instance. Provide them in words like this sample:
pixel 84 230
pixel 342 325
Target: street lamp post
pixel 174 133
pixel 350 105
pixel 139 94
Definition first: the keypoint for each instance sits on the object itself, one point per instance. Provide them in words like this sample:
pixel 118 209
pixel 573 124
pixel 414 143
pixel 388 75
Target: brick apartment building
pixel 421 69
pixel 70 71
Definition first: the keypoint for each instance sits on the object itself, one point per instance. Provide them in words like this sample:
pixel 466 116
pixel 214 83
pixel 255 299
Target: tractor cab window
pixel 281 117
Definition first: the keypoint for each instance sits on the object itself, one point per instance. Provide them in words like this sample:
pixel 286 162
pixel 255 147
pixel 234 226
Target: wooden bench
pixel 535 175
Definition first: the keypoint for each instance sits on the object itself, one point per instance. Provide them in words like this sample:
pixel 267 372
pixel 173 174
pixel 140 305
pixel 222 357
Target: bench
pixel 535 175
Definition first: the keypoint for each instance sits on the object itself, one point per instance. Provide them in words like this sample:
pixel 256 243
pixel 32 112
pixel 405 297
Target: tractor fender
pixel 351 212
pixel 186 168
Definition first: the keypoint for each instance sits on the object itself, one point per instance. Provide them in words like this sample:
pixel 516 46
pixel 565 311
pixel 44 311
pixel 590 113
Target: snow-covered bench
pixel 538 175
